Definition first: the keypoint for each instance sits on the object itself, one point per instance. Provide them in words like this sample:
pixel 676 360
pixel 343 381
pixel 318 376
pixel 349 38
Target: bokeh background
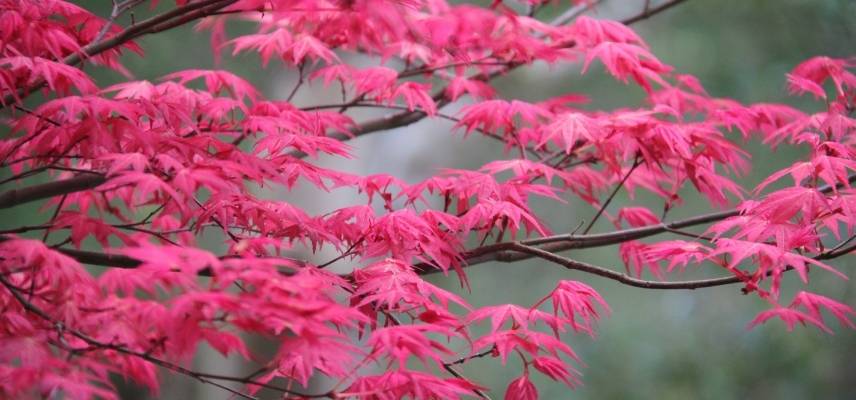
pixel 655 344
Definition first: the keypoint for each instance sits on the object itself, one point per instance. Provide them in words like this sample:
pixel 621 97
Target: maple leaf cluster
pixel 137 171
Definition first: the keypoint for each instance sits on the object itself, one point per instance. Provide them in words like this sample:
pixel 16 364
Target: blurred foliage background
pixel 654 344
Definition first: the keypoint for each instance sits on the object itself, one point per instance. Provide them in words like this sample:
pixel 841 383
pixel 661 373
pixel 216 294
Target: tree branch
pixel 28 194
pixel 619 277
pixel 574 12
pixel 646 284
pixel 839 250
pixel 649 12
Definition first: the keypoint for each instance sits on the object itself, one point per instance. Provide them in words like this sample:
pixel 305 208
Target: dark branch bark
pixel 28 194
pixel 648 13
pixel 392 121
pixel 619 277
pixel 105 259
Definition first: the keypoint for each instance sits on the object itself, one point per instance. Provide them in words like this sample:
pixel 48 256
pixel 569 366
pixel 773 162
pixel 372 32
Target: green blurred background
pixel 655 344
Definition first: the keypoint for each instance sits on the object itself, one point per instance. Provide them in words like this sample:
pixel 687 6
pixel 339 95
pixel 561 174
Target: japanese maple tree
pixel 112 283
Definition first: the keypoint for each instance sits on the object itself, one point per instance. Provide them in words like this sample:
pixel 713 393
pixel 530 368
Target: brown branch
pixel 451 370
pixel 466 359
pixel 839 250
pixel 119 8
pixel 531 150
pixel 432 69
pixel 646 284
pixel 505 252
pixel 387 122
pixel 649 12
pixel 620 277
pixel 28 194
pixel 24 175
pixel 574 12
pixel 170 19
pixel 104 259
pixel 96 258
pixel 250 381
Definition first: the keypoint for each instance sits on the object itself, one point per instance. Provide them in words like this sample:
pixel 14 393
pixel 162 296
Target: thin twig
pixel 839 250
pixel 465 359
pixel 618 187
pixel 347 252
pixel 458 375
pixel 574 12
pixel 53 217
pixel 300 80
pixel 649 12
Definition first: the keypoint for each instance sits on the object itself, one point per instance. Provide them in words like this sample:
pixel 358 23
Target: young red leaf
pixel 521 389
pixel 790 317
